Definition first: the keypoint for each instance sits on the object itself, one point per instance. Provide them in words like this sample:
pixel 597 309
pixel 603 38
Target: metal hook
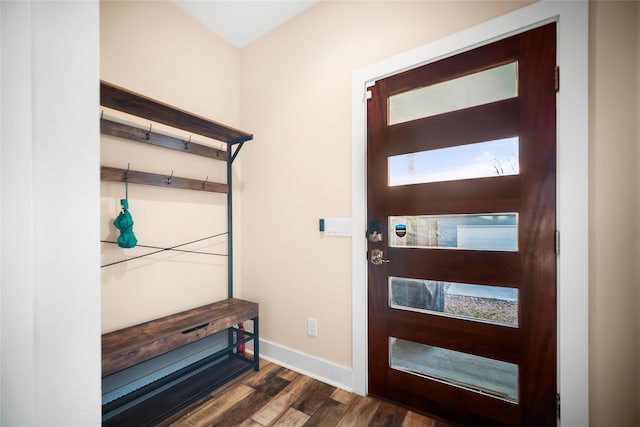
pixel 126 173
pixel 205 182
pixel 186 143
pixel 169 178
pixel 101 114
pixel 147 134
pixel 219 151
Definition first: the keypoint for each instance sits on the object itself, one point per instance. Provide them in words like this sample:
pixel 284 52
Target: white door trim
pixel 572 186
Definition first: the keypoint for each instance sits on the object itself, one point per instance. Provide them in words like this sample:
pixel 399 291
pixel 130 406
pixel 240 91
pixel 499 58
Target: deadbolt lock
pixel 374 231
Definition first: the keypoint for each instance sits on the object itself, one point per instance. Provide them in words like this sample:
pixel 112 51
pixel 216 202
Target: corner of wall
pixel 50 281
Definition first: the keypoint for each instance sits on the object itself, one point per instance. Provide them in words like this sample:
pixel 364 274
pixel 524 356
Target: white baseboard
pixel 321 370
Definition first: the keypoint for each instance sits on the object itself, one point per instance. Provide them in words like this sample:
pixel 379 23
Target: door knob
pixel 377 257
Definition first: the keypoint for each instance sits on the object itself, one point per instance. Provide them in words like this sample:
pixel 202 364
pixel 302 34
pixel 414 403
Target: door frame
pixel 572 185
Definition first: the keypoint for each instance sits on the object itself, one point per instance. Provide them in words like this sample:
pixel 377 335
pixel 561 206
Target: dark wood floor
pixel 276 396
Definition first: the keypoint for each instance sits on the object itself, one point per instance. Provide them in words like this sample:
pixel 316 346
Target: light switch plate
pixel 338 227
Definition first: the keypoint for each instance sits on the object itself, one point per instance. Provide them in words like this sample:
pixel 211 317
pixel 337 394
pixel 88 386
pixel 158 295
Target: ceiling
pixel 242 21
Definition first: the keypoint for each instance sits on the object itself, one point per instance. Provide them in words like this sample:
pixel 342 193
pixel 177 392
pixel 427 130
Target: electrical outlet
pixel 312 327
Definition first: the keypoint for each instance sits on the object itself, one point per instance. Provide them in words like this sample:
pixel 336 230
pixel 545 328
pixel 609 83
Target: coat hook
pixel 147 134
pixel 126 173
pixel 101 114
pixel 205 182
pixel 169 178
pixel 186 143
pixel 219 150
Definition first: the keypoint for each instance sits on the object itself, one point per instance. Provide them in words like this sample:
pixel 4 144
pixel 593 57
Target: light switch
pixel 337 227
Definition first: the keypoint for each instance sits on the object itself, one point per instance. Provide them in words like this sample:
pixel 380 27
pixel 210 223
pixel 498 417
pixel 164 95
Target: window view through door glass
pixel 491 304
pixel 480 374
pixel 492 231
pixel 479 160
pixel 494 84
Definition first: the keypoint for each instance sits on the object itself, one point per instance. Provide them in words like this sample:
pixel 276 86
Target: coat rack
pixel 120 99
pixel 126 350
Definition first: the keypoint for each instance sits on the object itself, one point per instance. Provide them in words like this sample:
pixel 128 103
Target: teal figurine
pixel 124 223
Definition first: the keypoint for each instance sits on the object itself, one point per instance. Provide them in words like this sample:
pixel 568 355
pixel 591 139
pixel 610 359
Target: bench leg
pixel 256 344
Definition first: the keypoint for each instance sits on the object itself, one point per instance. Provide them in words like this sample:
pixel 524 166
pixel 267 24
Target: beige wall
pixel 614 212
pixel 156 49
pixel 292 90
pixel 297 100
pixel 296 82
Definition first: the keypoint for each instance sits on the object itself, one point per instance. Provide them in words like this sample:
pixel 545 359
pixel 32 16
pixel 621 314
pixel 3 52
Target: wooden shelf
pixel 124 100
pixel 133 133
pixel 147 178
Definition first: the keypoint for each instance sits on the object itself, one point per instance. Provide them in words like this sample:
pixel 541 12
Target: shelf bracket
pixel 240 142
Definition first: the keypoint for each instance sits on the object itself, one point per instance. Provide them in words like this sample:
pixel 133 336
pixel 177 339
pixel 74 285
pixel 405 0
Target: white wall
pixel 50 313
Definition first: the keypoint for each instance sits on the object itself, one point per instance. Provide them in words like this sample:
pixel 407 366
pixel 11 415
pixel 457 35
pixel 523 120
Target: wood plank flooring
pixel 276 396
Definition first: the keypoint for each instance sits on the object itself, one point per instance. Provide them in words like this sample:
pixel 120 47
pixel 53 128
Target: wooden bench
pixel 125 348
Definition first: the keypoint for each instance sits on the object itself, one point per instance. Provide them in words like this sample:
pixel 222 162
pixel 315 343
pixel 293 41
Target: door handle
pixel 377 257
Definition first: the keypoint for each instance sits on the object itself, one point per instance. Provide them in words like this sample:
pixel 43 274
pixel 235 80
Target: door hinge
pixel 558 405
pixel 557 243
pixel 368 95
pixel 557 78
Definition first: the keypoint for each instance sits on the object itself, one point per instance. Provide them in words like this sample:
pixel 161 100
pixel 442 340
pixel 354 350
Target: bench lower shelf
pixel 167 396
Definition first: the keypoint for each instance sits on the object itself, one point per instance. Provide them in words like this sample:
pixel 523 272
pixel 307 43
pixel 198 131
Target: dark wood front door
pixel 462 234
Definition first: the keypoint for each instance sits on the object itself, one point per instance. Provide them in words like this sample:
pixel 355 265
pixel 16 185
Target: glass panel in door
pixel 478 88
pixel 478 374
